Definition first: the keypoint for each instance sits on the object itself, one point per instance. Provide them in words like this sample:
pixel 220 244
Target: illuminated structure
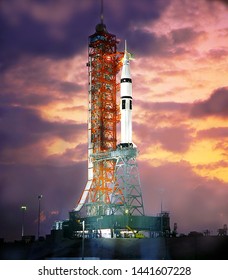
pixel 112 199
pixel 103 65
pixel 113 185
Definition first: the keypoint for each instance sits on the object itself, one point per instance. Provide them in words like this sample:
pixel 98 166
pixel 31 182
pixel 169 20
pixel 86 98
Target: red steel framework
pixel 104 64
pixel 104 67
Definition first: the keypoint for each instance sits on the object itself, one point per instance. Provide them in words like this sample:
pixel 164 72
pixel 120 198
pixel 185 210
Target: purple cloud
pixel 218 54
pixel 23 32
pixel 222 1
pixel 185 35
pixel 21 127
pixel 216 105
pixel 193 201
pixel 31 35
pixel 175 139
pixel 215 132
pixel 163 106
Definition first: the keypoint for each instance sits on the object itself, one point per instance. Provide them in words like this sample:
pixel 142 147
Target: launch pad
pixel 111 204
pixel 117 226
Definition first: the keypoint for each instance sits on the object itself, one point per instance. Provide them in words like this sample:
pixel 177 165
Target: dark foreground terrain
pixel 181 248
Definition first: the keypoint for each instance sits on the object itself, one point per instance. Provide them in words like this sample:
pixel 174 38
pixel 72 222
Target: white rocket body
pixel 126 102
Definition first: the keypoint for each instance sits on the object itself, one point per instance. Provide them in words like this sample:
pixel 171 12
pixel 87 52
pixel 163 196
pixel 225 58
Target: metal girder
pixel 127 196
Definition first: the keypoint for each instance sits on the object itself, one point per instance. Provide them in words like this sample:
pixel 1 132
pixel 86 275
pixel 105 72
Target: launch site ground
pixel 180 248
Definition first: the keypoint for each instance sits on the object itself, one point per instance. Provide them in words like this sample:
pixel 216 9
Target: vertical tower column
pixel 103 66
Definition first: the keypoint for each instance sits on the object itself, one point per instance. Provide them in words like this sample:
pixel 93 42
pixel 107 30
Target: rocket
pixel 126 101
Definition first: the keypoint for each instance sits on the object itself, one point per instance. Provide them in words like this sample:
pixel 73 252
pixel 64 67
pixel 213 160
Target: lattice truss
pixel 104 65
pixel 127 196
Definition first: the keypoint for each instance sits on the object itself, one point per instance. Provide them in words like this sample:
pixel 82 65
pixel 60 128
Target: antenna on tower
pixel 125 46
pixel 102 12
pixel 101 27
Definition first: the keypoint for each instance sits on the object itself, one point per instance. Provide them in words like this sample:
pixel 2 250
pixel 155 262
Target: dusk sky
pixel 180 116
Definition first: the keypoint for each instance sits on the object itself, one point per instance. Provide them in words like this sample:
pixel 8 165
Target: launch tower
pixel 103 65
pixel 112 198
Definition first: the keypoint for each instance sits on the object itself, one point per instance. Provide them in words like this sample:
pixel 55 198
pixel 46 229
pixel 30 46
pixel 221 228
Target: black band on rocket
pixel 129 97
pixel 126 80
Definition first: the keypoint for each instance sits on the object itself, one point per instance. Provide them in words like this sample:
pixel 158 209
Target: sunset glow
pixel 180 115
